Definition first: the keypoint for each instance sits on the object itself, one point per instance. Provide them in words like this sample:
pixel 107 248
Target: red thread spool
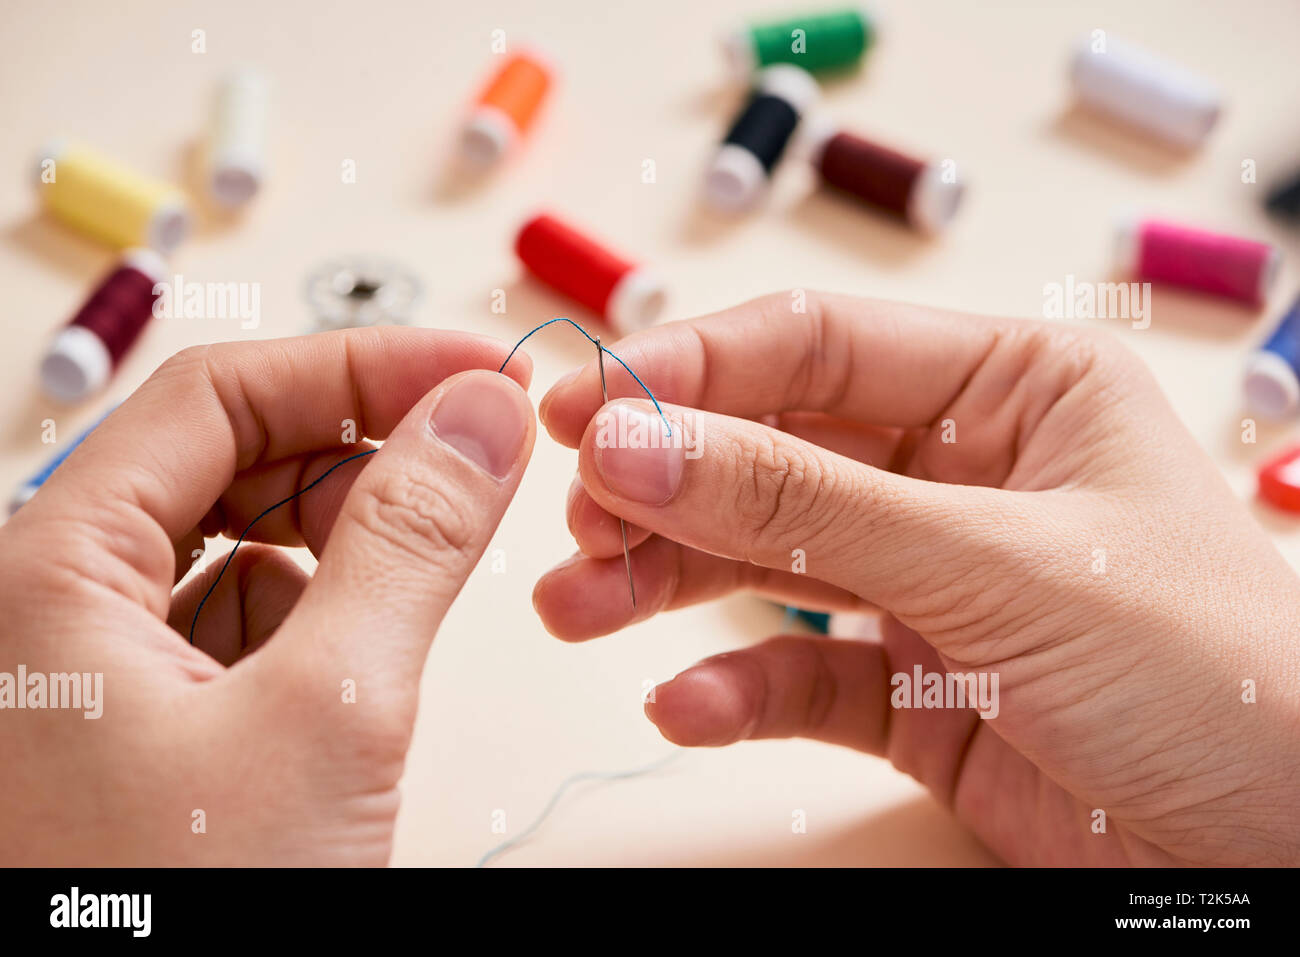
pixel 915 190
pixel 1279 480
pixel 1228 266
pixel 88 349
pixel 624 294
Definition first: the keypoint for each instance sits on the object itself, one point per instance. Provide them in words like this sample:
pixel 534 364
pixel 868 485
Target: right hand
pixel 1020 499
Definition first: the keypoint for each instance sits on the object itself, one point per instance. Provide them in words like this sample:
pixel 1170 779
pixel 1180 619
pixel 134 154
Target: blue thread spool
pixel 1272 384
pixel 29 488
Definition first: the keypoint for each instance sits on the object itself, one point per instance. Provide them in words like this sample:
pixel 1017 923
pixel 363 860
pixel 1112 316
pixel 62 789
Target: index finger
pixel 882 363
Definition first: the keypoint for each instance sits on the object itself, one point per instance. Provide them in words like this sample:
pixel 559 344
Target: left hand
pixel 279 736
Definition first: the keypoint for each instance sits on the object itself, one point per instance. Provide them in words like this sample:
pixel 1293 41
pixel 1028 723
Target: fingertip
pixel 584 598
pixel 562 409
pixel 705 706
pixel 596 531
pixel 550 604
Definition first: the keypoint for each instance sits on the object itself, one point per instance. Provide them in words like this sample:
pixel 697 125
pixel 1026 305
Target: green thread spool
pixel 833 40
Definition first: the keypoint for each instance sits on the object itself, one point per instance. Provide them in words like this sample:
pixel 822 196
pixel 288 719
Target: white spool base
pixel 76 366
pixel 636 301
pixel 735 181
pixel 489 135
pixel 1271 387
pixel 933 201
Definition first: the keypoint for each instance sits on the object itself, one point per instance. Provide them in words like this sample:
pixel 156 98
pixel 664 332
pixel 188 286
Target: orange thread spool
pixel 505 108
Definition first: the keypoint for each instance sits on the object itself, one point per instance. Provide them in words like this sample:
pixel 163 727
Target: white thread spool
pixel 237 157
pixel 1138 88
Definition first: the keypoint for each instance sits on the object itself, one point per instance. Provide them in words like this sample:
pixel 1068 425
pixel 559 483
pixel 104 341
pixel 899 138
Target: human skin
pixel 255 732
pixel 1068 536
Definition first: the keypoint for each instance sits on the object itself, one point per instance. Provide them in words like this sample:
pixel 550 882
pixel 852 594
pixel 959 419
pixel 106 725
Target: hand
pixel 251 732
pixel 1020 500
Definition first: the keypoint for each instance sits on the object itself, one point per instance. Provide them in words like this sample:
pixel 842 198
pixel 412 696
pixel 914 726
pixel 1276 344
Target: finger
pixel 821 688
pixel 834 691
pixel 595 530
pixel 154 468
pixel 885 448
pixel 304 520
pixel 585 597
pixel 842 692
pixel 879 362
pixel 756 495
pixel 411 529
pixel 188 550
pixel 250 601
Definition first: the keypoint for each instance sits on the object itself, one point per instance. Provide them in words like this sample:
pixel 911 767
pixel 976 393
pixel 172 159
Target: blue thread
pixel 321 477
pixel 265 512
pixel 559 793
pixel 606 351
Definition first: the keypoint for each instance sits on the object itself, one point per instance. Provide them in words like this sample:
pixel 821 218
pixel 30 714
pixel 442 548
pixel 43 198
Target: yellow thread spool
pixel 112 203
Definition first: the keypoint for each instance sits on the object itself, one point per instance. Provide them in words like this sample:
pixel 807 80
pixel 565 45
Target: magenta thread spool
pixel 88 349
pixel 1228 266
pixel 915 190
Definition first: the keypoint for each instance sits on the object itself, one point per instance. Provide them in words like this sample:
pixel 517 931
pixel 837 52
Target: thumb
pixel 741 490
pixel 411 529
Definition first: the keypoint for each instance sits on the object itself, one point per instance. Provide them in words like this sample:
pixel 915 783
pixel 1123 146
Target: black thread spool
pixel 1284 199
pixel 740 170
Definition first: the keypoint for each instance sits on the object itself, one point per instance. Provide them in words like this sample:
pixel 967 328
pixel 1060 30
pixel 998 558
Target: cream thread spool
pixel 237 149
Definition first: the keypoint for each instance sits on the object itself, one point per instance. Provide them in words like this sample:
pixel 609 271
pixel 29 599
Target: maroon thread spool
pixel 915 190
pixel 88 349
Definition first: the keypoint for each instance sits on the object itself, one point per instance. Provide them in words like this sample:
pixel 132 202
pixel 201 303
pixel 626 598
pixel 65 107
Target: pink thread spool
pixel 1229 266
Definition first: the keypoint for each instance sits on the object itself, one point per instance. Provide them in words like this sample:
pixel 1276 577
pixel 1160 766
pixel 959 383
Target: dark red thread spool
pixel 88 349
pixel 915 190
pixel 624 294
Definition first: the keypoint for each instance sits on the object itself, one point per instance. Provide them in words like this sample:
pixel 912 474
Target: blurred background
pixel 508 712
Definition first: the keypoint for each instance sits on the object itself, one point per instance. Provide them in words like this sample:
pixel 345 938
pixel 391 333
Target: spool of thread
pixel 624 294
pixel 1144 91
pixel 1272 384
pixel 740 170
pixel 1284 198
pixel 237 150
pixel 110 202
pixel 1279 480
pixel 831 40
pixel 22 495
pixel 87 350
pixel 505 109
pixel 1229 266
pixel 913 189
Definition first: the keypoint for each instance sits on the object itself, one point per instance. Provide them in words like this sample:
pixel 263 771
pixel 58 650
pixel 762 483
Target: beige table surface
pixel 508 712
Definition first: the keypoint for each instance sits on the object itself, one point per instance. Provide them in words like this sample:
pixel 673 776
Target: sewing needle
pixel 622 525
